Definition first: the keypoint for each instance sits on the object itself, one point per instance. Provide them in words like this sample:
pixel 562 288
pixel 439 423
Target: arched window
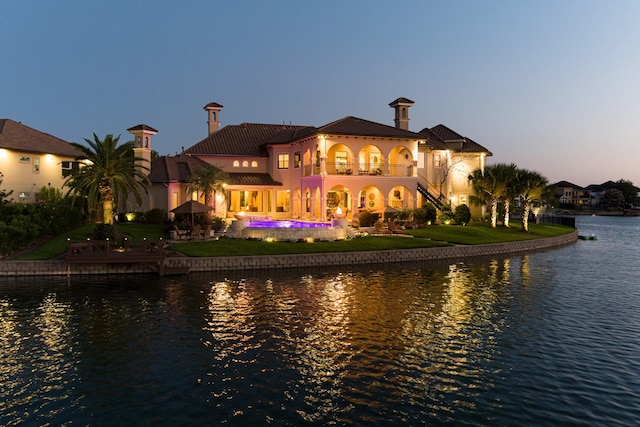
pixel 245 164
pixel 254 164
pixel 236 164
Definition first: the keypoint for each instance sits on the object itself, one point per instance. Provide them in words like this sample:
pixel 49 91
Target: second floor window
pixel 283 161
pixel 69 167
pixel 296 159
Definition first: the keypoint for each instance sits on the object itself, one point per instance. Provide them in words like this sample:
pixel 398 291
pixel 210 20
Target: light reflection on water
pixel 546 338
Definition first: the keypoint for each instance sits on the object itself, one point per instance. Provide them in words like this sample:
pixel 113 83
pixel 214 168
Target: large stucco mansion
pixel 278 170
pixel 307 172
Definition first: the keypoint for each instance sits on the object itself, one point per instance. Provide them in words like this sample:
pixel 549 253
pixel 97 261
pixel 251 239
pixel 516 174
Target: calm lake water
pixel 548 338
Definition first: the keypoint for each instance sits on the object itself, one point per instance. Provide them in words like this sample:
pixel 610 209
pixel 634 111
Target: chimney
pixel 213 112
pixel 401 106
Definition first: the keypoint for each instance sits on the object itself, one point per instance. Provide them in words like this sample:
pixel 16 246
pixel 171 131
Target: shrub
pixel 368 219
pixel 462 214
pixel 427 213
pixel 104 232
pixel 155 216
pixel 217 223
pixel 446 214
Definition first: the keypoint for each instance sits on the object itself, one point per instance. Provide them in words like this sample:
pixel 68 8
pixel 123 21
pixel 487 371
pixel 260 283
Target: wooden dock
pixel 107 252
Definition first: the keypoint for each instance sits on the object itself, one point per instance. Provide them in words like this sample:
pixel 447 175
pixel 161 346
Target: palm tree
pixel 488 188
pixel 210 180
pixel 111 173
pixel 532 188
pixel 507 173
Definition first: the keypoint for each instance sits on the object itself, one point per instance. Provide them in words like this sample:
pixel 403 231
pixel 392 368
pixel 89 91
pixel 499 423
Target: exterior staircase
pixel 423 188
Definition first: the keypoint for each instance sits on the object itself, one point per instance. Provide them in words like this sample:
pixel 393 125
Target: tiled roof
pixel 180 168
pixel 401 101
pixel 355 126
pixel 174 168
pixel 566 184
pixel 249 139
pixel 458 142
pixel 446 134
pixel 239 178
pixel 143 127
pixel 433 140
pixel 245 139
pixel 16 136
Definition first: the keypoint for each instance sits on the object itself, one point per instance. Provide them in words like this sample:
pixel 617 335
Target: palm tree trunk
pixel 494 213
pixel 507 204
pixel 107 211
pixel 525 216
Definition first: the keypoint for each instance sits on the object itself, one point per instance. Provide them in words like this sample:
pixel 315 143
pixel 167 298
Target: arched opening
pixel 340 160
pixel 401 162
pixel 400 197
pixel 370 161
pixel 339 197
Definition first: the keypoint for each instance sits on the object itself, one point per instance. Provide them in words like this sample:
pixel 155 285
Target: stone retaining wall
pixel 263 262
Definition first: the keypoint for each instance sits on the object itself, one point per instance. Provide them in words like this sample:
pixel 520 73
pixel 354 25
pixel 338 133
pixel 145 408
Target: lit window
pixel 254 164
pixel 245 164
pixel 436 160
pixel 296 160
pixel 236 164
pixel 283 161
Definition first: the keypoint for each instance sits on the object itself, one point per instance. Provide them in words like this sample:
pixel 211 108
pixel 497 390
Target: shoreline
pixel 14 268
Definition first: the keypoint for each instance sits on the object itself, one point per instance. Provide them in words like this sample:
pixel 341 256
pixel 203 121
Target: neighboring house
pixel 597 190
pixel 572 194
pixel 307 172
pixel 30 160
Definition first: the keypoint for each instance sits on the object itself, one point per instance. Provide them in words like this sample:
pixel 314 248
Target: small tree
pixel 488 188
pixel 210 180
pixel 462 214
pixel 613 198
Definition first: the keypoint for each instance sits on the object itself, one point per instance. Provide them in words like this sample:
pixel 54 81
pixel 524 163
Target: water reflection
pixel 475 343
pixel 337 342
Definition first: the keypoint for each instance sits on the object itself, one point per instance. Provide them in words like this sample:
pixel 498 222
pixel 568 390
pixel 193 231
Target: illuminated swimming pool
pixel 287 230
pixel 287 224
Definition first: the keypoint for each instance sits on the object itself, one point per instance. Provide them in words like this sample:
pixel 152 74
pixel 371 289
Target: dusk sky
pixel 551 86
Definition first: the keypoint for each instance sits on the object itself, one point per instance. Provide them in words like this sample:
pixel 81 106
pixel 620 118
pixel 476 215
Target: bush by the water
pixel 22 224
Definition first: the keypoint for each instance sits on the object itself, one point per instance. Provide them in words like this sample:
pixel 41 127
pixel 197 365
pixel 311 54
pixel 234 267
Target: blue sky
pixel 548 85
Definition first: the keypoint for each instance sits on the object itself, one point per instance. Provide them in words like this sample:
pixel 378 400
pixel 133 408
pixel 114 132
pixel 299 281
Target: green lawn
pixel 433 236
pixel 479 232
pixel 58 245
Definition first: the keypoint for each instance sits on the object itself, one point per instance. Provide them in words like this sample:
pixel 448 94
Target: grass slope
pixel 434 236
